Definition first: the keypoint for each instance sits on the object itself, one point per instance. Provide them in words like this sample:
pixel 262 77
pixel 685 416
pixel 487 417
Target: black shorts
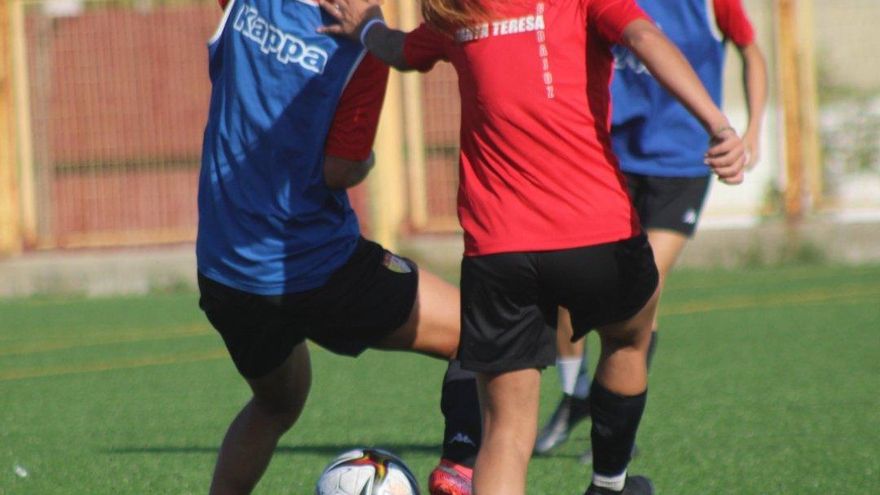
pixel 509 301
pixel 669 203
pixel 364 301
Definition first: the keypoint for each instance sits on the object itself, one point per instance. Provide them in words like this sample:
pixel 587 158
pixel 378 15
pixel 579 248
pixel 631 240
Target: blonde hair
pixel 449 15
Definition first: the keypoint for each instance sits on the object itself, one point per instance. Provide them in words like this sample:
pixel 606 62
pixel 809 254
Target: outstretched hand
pixel 351 16
pixel 726 156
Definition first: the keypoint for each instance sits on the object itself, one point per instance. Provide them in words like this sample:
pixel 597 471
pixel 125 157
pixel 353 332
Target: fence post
pixel 812 149
pixel 789 75
pixel 415 132
pixel 10 227
pixel 22 117
pixel 386 187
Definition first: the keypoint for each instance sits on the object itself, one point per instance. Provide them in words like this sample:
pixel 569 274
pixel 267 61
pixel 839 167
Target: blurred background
pixel 770 346
pixel 103 103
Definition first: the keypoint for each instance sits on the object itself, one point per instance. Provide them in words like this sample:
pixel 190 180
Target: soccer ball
pixel 367 472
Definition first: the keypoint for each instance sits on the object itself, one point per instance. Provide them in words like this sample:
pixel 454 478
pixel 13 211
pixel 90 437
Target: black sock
pixel 461 410
pixel 615 422
pixel 652 346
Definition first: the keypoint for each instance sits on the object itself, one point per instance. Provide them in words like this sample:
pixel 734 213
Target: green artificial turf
pixel 765 382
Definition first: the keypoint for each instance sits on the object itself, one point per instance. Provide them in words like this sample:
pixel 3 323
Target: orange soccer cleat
pixel 449 478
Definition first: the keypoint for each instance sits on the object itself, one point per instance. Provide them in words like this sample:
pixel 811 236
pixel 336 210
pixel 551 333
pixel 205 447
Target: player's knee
pixel 632 333
pixel 425 338
pixel 282 405
pixel 447 349
pixel 281 413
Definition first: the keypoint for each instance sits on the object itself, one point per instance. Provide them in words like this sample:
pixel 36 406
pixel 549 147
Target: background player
pixel 655 138
pixel 544 208
pixel 280 255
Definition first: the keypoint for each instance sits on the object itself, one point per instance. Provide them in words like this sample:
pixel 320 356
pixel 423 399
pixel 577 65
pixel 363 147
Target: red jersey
pixel 731 18
pixel 357 116
pixel 536 168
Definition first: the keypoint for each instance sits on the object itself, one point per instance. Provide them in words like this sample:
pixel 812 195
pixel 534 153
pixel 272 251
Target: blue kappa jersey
pixel 268 224
pixel 652 133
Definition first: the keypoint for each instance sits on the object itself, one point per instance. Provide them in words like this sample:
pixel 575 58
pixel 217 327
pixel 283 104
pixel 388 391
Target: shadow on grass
pixel 318 449
pixel 326 450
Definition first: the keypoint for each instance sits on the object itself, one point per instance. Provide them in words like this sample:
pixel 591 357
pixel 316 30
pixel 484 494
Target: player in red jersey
pixel 546 216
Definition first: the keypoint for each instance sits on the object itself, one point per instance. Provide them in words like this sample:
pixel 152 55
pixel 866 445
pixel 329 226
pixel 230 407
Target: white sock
pixel 582 385
pixel 568 373
pixel 615 483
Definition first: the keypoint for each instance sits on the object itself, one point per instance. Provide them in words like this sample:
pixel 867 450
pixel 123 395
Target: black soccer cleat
pixel 570 411
pixel 635 485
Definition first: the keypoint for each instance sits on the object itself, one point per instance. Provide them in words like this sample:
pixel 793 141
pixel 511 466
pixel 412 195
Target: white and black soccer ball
pixel 367 472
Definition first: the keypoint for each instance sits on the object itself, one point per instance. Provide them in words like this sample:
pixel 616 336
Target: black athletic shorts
pixel 509 301
pixel 668 203
pixel 364 301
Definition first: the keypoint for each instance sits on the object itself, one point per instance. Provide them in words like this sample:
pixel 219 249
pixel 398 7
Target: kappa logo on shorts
pixel 395 263
pixel 690 216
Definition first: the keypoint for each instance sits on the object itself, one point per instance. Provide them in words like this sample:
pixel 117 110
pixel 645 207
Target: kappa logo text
pixel 462 438
pixel 286 47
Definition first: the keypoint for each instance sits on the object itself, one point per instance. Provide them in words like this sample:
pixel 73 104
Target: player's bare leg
pixel 667 246
pixel 251 439
pixel 573 406
pixel 434 328
pixel 622 367
pixel 564 331
pixel 618 396
pixel 510 415
pixel 434 325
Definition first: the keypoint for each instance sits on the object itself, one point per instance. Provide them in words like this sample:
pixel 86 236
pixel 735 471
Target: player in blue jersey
pixel 661 147
pixel 281 260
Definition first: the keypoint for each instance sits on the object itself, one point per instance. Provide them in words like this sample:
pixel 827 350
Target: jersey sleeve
pixel 733 22
pixel 423 47
pixel 357 116
pixel 611 17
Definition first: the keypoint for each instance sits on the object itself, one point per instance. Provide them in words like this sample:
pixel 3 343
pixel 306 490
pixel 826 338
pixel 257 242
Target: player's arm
pixel 755 87
pixel 341 173
pixel 672 70
pixel 362 21
pixel 348 155
pixel 734 23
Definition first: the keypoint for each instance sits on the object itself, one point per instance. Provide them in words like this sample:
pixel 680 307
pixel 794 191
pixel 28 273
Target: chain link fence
pixel 114 106
pixel 111 98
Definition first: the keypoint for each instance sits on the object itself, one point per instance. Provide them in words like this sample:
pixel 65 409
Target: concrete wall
pixel 848 38
pixel 848 60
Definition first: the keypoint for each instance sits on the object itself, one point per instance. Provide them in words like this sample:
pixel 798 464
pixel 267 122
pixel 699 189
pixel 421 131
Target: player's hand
pixel 351 16
pixel 727 156
pixel 752 141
